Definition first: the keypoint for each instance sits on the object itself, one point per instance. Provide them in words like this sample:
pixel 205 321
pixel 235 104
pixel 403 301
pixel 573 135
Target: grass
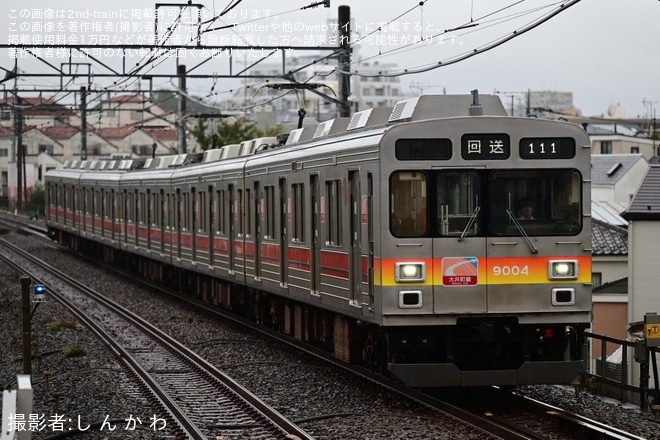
pixel 56 327
pixel 74 351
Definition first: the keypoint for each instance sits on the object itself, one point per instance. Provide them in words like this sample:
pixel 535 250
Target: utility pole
pixel 652 127
pixel 512 95
pixel 25 283
pixel 344 62
pixel 181 71
pixel 20 154
pixel 83 123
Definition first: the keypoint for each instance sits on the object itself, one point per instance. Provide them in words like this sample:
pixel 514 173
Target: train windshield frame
pixel 479 202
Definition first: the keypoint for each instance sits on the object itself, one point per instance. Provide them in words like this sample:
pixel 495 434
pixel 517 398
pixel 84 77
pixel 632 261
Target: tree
pixel 37 200
pixel 227 133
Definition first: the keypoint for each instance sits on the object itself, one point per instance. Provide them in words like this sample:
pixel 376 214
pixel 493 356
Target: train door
pixel 210 221
pixel 370 239
pixel 459 248
pixel 149 208
pixel 137 216
pixel 83 209
pixel 103 214
pixel 194 223
pixel 355 270
pixel 163 219
pixel 258 217
pixel 177 223
pixel 112 213
pixel 98 212
pixel 95 212
pixel 232 227
pixel 125 215
pixel 75 206
pixel 315 248
pixel 284 221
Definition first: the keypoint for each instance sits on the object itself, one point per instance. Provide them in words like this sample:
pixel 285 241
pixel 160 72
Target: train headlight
pixel 410 272
pixel 563 269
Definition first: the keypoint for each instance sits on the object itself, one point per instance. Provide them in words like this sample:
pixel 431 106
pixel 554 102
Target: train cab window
pixel 551 199
pixel 408 202
pixel 459 203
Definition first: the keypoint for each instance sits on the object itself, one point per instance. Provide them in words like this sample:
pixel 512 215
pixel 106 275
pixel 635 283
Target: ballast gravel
pixel 78 385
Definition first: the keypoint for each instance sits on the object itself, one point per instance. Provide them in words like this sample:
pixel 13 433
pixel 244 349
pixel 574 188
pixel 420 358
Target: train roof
pixel 376 120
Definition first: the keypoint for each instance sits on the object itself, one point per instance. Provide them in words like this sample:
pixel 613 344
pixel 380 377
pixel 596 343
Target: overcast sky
pixel 604 51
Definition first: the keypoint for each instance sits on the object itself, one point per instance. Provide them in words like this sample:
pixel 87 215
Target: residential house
pixel 131 110
pixel 609 268
pixel 618 138
pixel 616 177
pixel 643 217
pixel 37 112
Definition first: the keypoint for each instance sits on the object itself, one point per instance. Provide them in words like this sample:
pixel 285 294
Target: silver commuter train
pixel 391 238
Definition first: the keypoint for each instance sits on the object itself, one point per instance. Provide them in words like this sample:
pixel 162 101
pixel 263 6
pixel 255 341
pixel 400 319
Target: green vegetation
pixel 36 203
pixel 56 327
pixel 227 133
pixel 74 351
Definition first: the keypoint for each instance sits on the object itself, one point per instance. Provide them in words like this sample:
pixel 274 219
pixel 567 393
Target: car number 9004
pixel 510 270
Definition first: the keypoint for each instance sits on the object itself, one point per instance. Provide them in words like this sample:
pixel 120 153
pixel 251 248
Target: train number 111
pixel 553 148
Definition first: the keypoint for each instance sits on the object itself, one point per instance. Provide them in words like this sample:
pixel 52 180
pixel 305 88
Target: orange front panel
pixel 463 270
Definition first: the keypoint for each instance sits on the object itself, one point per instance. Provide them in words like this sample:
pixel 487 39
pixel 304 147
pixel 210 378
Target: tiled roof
pixel 127 98
pixel 606 169
pixel 6 132
pixel 60 131
pixel 33 106
pixel 646 203
pixel 115 132
pixel 162 134
pixel 617 286
pixel 608 239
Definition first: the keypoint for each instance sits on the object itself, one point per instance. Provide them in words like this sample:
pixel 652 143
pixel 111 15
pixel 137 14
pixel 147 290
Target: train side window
pixel 298 227
pixel 408 203
pixel 142 209
pixel 241 225
pixel 269 212
pixel 333 221
pixel 185 220
pixel 201 212
pixel 120 207
pixel 247 217
pixel 154 208
pixel 220 211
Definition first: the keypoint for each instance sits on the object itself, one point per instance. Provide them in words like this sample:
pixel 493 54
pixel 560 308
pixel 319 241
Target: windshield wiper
pixel 470 222
pixel 522 231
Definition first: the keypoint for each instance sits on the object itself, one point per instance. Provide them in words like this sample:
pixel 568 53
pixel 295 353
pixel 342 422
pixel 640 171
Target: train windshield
pixel 463 203
pixel 540 202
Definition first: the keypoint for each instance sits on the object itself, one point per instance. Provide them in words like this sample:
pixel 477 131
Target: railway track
pixel 491 411
pixel 530 418
pixel 199 400
pixel 519 418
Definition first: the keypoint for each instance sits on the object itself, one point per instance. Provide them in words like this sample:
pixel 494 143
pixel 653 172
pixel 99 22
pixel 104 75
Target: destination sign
pixel 423 149
pixel 485 146
pixel 547 148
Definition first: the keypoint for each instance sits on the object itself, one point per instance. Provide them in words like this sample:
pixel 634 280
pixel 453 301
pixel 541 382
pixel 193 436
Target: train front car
pixel 473 292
